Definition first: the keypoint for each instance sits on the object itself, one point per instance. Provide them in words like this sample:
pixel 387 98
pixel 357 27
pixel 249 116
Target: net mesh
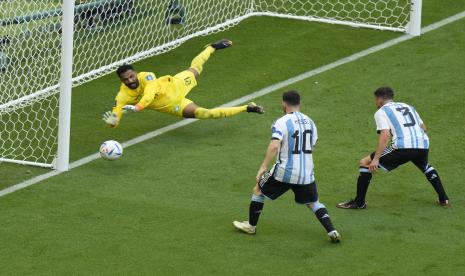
pixel 377 13
pixel 29 62
pixel 109 33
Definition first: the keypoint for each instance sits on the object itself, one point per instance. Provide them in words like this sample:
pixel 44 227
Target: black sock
pixel 254 212
pixel 435 180
pixel 323 216
pixel 362 185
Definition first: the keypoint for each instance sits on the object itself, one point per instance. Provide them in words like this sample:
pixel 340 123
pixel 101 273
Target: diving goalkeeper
pixel 167 94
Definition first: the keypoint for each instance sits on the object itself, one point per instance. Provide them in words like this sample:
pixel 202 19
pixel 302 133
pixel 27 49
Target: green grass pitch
pixel 166 207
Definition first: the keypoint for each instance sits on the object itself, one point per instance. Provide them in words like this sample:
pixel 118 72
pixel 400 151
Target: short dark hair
pixel 385 93
pixel 123 69
pixel 291 97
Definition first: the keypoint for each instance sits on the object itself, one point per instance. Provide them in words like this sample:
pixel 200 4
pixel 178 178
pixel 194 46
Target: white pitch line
pixel 242 100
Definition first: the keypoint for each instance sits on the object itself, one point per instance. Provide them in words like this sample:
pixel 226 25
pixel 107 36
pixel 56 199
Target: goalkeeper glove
pixel 132 108
pixel 110 118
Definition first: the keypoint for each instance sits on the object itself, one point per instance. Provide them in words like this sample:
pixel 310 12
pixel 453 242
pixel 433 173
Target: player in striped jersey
pixel 293 138
pixel 409 143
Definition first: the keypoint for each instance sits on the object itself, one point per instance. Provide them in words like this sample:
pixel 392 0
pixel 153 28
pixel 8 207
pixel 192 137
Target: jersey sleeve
pixel 120 101
pixel 149 91
pixel 382 121
pixel 314 134
pixel 277 131
pixel 417 116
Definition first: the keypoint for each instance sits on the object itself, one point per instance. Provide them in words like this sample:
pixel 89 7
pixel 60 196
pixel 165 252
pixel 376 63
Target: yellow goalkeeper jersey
pixel 152 93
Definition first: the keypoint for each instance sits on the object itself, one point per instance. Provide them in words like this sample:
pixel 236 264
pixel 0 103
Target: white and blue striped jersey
pixel 404 123
pixel 298 134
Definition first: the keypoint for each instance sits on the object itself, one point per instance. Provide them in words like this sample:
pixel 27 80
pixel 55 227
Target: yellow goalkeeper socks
pixel 203 113
pixel 199 61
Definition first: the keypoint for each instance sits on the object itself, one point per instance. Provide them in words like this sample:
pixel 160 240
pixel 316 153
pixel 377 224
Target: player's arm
pixel 277 131
pixel 112 118
pixel 146 100
pixel 384 138
pixel 423 126
pixel 271 152
pixel 383 128
pixel 419 120
pixel 314 135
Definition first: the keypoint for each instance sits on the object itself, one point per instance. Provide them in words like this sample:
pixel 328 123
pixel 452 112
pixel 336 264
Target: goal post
pixel 66 83
pixel 49 46
pixel 414 25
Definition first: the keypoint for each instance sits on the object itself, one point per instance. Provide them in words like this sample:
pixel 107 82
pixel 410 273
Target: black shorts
pixel 393 158
pixel 272 189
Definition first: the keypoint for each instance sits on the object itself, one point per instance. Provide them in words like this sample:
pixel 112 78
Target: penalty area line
pixel 242 100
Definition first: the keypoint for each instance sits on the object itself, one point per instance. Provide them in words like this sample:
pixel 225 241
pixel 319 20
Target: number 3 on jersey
pixel 406 112
pixel 306 146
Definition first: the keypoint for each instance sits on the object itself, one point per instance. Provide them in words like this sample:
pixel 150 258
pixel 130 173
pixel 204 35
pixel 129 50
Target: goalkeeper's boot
pixel 245 227
pixel 254 108
pixel 222 44
pixel 351 204
pixel 334 236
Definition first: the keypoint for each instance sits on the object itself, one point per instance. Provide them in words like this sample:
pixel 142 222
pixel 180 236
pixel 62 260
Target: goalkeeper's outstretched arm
pixel 112 118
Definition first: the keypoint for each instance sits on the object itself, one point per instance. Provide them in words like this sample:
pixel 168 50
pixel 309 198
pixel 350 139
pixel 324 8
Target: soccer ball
pixel 111 150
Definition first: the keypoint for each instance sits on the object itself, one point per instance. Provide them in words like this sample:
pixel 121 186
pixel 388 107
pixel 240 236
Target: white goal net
pixel 108 33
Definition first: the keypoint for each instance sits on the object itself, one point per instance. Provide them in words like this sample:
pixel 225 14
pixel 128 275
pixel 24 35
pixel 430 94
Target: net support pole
pixel 64 118
pixel 414 27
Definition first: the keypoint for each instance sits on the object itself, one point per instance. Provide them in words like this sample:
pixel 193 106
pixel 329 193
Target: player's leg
pixel 198 62
pixel 255 208
pixel 363 181
pixel 194 111
pixel 421 162
pixel 390 159
pixel 187 79
pixel 321 213
pixel 191 110
pixel 267 188
pixel 308 195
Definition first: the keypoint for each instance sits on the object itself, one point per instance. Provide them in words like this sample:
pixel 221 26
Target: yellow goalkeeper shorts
pixel 183 82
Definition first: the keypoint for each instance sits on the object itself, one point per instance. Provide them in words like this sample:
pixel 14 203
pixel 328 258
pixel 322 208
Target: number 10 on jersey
pixel 306 146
